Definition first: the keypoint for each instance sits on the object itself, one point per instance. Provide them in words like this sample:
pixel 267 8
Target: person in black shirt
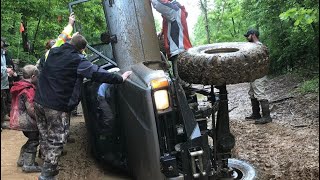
pixel 58 93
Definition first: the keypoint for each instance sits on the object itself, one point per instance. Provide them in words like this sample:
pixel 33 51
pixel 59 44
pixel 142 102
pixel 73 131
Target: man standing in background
pixel 5 73
pixel 257 90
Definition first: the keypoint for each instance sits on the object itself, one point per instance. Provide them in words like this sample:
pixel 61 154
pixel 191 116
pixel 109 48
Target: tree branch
pixel 35 35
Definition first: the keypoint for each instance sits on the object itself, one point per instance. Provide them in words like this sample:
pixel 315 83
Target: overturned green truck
pixel 163 131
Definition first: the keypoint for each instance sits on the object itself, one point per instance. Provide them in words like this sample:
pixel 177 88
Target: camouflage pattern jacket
pixel 22 115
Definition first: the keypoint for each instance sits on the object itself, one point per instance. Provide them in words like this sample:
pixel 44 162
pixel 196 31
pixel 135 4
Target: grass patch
pixel 310 86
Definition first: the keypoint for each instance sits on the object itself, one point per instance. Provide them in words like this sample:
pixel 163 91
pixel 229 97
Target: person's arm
pixel 29 107
pixel 167 9
pixel 65 34
pixel 11 71
pixel 93 72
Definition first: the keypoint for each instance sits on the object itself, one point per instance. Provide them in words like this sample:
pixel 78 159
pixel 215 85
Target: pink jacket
pixel 22 115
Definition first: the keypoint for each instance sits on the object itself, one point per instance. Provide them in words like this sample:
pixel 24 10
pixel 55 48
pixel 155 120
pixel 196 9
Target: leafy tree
pixel 292 40
pixel 289 28
pixel 225 22
pixel 40 22
pixel 204 8
pixel 90 24
pixel 44 20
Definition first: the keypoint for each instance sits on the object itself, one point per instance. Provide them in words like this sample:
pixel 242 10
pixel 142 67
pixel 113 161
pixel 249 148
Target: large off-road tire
pixel 223 63
pixel 242 170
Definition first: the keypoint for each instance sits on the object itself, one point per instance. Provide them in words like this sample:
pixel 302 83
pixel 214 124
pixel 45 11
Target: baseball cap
pixel 251 31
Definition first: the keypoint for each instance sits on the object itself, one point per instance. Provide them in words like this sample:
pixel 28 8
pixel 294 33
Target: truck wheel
pixel 223 63
pixel 242 170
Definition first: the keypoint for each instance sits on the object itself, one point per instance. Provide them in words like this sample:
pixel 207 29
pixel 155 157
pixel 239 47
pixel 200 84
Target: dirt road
pixel 77 164
pixel 286 149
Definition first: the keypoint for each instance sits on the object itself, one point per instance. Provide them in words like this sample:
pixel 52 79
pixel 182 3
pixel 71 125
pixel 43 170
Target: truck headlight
pixel 160 93
pixel 161 98
pixel 159 83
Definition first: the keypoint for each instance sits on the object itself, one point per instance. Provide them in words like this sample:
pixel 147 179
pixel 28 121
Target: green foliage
pixel 158 26
pixel 302 17
pixel 290 29
pixel 90 24
pixel 33 11
pixel 225 23
pixel 310 86
pixel 52 17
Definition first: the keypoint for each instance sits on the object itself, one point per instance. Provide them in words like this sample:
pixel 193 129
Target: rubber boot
pixel 29 164
pixel 266 118
pixel 255 110
pixel 48 172
pixel 20 159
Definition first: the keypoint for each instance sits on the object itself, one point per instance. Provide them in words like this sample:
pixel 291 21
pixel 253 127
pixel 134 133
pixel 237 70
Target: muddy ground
pixel 287 148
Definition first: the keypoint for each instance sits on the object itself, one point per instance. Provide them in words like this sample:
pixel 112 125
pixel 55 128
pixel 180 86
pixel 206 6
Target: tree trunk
pixel 35 36
pixel 234 27
pixel 220 18
pixel 24 34
pixel 204 9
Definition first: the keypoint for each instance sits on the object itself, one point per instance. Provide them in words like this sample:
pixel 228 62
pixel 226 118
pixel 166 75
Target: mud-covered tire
pixel 223 63
pixel 242 170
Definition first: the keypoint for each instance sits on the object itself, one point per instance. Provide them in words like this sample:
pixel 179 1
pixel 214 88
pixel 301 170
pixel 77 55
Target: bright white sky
pixel 193 9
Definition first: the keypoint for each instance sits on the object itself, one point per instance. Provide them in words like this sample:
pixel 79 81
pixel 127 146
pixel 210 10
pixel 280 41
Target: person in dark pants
pixel 257 90
pixel 22 117
pixel 107 125
pixel 61 39
pixel 106 115
pixel 6 73
pixel 58 93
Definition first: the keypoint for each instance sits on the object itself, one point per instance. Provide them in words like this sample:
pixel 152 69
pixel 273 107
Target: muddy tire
pixel 242 170
pixel 223 63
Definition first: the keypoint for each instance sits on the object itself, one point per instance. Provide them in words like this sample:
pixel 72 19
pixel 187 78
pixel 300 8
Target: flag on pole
pixel 21 28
